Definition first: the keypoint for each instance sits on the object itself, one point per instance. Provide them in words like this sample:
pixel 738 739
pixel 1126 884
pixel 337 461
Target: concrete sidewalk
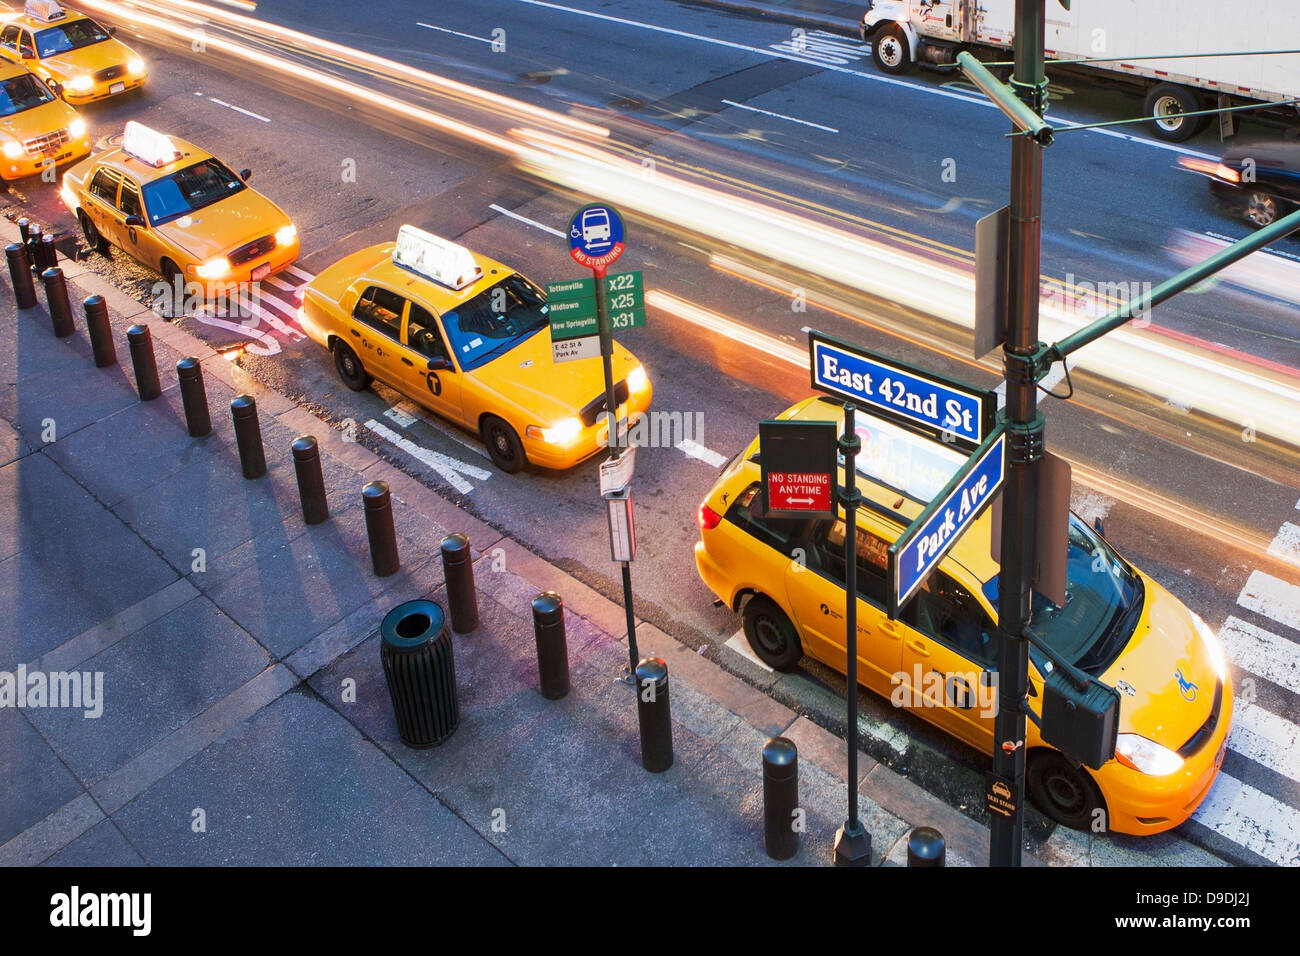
pixel 245 718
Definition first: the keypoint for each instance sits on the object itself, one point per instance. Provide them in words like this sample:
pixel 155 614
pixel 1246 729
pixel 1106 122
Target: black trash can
pixel 420 668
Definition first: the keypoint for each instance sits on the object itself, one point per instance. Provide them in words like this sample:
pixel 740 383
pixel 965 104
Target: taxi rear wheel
pixel 771 634
pixel 350 369
pixel 503 445
pixel 93 239
pixel 1063 791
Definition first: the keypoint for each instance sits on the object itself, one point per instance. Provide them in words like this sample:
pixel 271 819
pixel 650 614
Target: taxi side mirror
pixel 439 364
pixel 29 54
pixel 111 31
pixel 137 221
pixel 1097 525
pixel 244 174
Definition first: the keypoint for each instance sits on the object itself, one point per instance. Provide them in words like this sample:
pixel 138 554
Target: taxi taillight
pixel 708 518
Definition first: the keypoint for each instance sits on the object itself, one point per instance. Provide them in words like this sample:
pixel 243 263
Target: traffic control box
pixel 1082 724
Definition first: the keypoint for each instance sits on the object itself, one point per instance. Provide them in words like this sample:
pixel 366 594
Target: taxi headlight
pixel 1146 756
pixel 77 128
pixel 637 380
pixel 561 433
pixel 286 234
pixel 13 149
pixel 213 268
pixel 135 65
pixel 1213 647
pixel 80 84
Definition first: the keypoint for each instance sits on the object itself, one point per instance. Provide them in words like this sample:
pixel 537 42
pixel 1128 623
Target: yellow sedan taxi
pixel 73 52
pixel 37 129
pixel 939 659
pixel 467 338
pixel 178 209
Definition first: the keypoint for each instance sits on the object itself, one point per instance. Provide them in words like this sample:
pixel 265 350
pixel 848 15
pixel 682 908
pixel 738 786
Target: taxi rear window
pixel 22 92
pixel 194 187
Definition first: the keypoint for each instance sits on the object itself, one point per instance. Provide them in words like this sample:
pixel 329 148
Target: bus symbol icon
pixel 595 227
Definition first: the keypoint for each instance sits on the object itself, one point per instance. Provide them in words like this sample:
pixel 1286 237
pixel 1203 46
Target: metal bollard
pixel 24 225
pixel 248 436
pixel 780 798
pixel 311 481
pixel 33 241
pixel 47 257
pixel 458 572
pixel 194 397
pixel 925 847
pixel 101 335
pixel 21 275
pixel 56 298
pixel 379 528
pixel 140 343
pixel 552 649
pixel 653 714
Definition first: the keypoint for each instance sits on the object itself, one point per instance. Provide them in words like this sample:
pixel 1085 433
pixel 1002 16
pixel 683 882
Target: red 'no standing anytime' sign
pixel 799 491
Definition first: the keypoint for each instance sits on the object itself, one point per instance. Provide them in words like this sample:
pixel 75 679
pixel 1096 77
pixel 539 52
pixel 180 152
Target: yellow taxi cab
pixel 37 129
pixel 939 658
pixel 467 338
pixel 71 51
pixel 178 209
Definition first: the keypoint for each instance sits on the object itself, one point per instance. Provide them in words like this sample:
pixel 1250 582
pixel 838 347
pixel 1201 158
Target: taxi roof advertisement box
pixel 798 461
pixel 952 411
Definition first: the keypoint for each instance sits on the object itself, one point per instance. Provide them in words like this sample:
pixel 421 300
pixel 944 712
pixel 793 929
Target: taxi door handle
pixel 918 647
pixel 890 628
pixel 407 361
pixel 355 332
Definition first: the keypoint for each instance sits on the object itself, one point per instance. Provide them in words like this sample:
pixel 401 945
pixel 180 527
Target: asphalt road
pixel 818 131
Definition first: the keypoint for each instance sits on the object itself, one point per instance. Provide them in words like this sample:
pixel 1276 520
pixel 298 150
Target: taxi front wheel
pixel 771 634
pixel 503 445
pixel 350 368
pixel 1063 790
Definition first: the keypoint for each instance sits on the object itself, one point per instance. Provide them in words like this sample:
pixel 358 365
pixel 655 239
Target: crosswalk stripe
pixel 1262 653
pixel 1272 597
pixel 1252 819
pixel 1287 543
pixel 1267 739
pixel 304 276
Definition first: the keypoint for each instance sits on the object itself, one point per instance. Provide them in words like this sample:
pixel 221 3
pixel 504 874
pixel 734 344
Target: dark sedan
pixel 1259 180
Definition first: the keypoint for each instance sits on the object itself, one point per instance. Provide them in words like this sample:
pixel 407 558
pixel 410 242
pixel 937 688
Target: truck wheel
pixel 1062 791
pixel 771 634
pixel 1165 104
pixel 890 50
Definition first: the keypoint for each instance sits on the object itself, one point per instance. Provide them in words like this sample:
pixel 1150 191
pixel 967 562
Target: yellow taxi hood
pixel 225 225
pixel 88 59
pixel 39 119
pixel 528 377
pixel 1169 669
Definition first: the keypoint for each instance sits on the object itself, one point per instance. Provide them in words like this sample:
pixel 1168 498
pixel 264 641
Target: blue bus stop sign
pixel 596 236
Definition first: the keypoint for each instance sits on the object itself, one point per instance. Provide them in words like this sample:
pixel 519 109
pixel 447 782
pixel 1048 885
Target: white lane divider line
pixel 1262 653
pixel 531 222
pixel 706 455
pixel 467 36
pixel 1287 543
pixel 451 470
pixel 792 119
pixel 1266 739
pixel 1272 597
pixel 1252 819
pixel 239 109
pixel 740 645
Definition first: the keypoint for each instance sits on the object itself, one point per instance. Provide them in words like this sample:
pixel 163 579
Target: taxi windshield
pixel 194 187
pixel 495 320
pixel 22 92
pixel 68 36
pixel 1103 599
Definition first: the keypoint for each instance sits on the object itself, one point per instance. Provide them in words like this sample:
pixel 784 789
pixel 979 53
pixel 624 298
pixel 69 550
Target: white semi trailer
pixel 906 32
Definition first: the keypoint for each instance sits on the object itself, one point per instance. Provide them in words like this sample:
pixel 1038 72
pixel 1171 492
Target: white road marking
pixel 467 36
pixel 1272 597
pixel 270 345
pixel 1056 121
pixel 449 468
pixel 1252 819
pixel 246 302
pixel 706 455
pixel 238 109
pixel 400 415
pixel 531 222
pixel 1262 653
pixel 792 119
pixel 304 276
pixel 1266 739
pixel 1287 543
pixel 740 645
pixel 280 284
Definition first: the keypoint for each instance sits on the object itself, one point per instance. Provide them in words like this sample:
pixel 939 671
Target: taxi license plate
pixel 117 88
pixel 261 272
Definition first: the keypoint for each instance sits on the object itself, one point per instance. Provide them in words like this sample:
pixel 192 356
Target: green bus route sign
pixel 573 305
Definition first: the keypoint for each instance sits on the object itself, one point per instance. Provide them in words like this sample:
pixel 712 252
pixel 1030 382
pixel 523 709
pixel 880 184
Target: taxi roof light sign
pixel 46 10
pixel 148 145
pixel 438 259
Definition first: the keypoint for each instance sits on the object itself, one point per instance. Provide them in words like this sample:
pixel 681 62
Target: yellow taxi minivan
pixel 939 658
pixel 37 129
pixel 77 56
pixel 178 209
pixel 467 338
